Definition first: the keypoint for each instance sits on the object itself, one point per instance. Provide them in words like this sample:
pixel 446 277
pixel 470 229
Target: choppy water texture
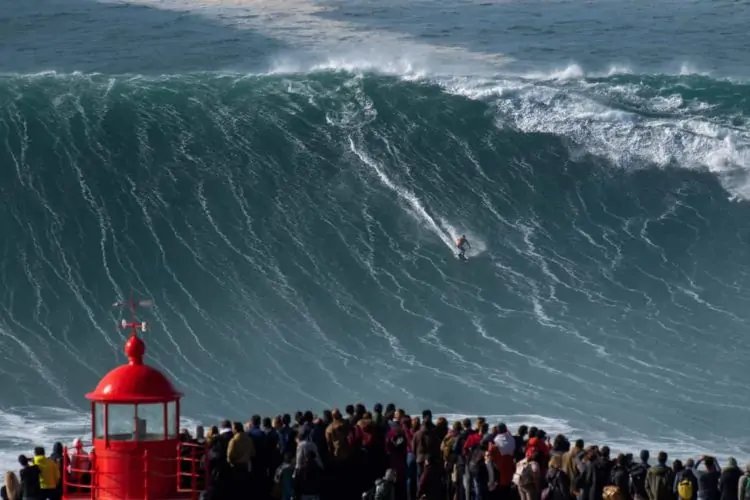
pixel 286 180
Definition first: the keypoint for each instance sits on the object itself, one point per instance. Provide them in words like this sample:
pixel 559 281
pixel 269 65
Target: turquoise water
pixel 286 179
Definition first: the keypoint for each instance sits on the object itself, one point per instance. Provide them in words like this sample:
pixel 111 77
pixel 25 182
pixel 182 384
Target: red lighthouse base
pixel 137 471
pixel 146 468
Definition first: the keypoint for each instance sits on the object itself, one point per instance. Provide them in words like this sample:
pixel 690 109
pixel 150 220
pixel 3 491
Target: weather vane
pixel 133 325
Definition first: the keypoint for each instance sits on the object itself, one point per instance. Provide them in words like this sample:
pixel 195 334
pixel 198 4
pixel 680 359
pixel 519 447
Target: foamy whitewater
pixel 287 179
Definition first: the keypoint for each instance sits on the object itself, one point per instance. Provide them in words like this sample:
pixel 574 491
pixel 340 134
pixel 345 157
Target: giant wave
pixel 295 231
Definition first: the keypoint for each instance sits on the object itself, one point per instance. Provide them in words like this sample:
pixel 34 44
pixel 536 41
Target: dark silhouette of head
pixel 559 443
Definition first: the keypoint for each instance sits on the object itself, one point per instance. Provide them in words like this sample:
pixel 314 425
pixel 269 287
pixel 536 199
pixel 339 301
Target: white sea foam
pixel 562 102
pixel 626 138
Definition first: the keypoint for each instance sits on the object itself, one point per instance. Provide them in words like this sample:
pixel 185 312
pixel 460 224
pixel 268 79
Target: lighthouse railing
pixel 145 475
pixel 71 471
pixel 193 468
pixel 190 464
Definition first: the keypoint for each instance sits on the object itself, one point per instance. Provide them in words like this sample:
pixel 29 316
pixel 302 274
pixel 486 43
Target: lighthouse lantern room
pixel 135 424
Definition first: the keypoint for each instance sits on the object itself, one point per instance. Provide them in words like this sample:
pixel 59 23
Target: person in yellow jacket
pixel 50 473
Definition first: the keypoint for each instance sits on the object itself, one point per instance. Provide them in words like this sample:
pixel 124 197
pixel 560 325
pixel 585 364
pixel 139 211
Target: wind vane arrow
pixel 132 304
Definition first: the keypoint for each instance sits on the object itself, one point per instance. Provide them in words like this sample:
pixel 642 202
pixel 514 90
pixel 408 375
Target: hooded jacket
pixel 660 482
pixel 505 443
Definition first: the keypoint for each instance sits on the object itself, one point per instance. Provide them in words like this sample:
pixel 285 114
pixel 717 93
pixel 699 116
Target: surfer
pixel 462 243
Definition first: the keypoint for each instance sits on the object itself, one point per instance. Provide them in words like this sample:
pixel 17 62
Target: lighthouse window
pixel 172 423
pixel 99 421
pixel 121 422
pixel 151 422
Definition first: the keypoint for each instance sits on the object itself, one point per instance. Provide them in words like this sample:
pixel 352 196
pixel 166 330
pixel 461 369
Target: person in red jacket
pixel 538 443
pixel 475 439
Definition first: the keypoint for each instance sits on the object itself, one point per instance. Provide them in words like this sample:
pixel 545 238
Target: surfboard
pixel 464 258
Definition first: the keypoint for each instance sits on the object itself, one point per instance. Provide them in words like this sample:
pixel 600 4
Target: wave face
pixel 295 231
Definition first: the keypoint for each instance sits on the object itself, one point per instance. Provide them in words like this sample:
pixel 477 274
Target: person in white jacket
pixel 504 441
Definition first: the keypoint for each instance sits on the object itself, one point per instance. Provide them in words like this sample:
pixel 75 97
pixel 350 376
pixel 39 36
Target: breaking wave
pixel 296 232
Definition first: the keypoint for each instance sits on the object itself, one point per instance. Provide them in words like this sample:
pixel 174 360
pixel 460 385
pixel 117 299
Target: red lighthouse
pixel 135 424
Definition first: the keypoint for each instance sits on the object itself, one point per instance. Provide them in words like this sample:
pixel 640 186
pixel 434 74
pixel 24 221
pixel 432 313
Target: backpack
pixel 747 488
pixel 638 478
pixel 685 488
pixel 612 493
pixel 526 480
pixel 554 491
pixel 665 485
pixel 447 446
pixel 476 456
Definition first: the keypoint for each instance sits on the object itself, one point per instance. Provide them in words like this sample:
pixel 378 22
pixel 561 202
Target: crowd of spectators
pixel 387 454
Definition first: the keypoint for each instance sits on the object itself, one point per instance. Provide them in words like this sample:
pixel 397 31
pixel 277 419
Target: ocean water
pixel 286 178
